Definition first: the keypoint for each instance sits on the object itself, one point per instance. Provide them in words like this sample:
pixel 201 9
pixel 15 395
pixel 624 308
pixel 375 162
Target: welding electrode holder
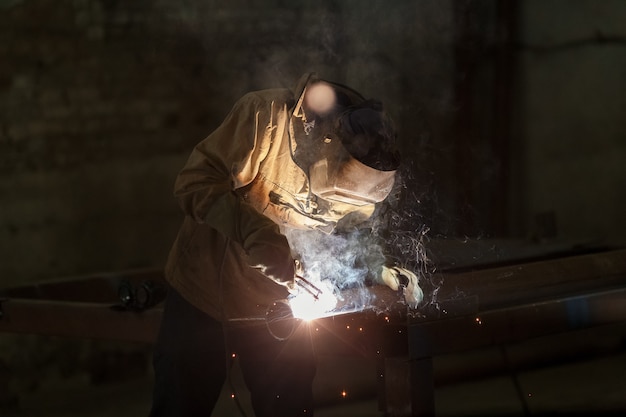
pixel 308 287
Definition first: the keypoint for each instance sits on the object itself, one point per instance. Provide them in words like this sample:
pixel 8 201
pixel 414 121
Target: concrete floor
pixel 592 386
pixel 579 373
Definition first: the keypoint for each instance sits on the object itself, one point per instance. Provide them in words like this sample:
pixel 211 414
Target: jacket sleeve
pixel 205 187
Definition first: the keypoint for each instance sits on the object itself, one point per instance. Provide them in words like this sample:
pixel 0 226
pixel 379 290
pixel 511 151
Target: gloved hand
pixel 400 278
pixel 280 270
pixel 273 259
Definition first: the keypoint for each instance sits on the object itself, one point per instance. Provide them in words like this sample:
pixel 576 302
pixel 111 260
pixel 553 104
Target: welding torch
pixel 279 317
pixel 308 286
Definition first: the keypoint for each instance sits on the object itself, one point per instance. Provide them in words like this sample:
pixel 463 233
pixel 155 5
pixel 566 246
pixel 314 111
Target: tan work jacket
pixel 238 189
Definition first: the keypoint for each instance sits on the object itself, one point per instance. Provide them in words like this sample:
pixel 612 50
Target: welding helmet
pixel 345 143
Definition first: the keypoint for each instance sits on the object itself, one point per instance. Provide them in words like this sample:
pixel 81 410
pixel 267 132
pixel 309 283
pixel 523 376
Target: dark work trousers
pixel 193 352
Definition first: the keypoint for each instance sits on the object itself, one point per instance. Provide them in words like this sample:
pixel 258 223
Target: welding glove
pixel 267 249
pixel 398 278
pixel 271 255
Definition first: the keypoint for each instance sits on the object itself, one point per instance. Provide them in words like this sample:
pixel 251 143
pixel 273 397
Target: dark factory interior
pixel 509 205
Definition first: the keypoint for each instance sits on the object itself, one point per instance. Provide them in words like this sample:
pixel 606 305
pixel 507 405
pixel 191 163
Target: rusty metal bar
pixel 515 324
pixel 78 319
pixel 85 303
pixel 530 282
pixel 81 307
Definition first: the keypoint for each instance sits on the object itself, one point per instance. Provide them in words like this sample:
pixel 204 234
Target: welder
pixel 317 157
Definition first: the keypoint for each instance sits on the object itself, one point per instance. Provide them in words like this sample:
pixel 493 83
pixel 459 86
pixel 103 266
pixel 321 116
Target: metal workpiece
pixel 90 307
pixel 561 291
pixel 476 308
pixel 78 320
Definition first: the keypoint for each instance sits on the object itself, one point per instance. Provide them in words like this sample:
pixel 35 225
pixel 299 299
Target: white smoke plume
pixel 339 261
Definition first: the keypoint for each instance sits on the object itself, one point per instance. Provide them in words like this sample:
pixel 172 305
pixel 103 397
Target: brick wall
pixel 98 107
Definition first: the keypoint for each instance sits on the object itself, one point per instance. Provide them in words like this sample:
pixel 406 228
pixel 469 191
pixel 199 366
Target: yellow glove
pixel 396 278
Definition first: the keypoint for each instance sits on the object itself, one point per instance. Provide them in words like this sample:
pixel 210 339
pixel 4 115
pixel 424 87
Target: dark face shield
pixel 348 151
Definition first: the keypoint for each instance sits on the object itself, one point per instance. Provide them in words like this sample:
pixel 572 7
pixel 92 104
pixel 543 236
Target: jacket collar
pixel 300 89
